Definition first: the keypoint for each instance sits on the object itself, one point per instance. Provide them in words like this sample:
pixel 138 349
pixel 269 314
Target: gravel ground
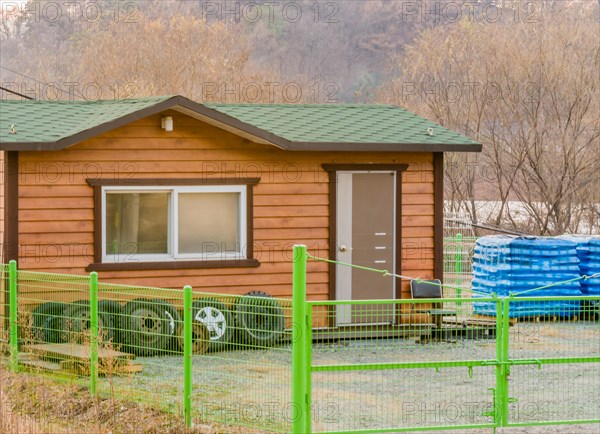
pixel 253 387
pixel 549 429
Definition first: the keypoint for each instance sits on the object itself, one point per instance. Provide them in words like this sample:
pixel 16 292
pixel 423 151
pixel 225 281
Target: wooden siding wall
pixel 290 203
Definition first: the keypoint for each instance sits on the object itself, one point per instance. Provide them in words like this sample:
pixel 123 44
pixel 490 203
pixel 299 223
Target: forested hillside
pixel 521 77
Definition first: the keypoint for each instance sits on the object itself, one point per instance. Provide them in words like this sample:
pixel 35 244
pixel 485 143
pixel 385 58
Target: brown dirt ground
pixel 31 404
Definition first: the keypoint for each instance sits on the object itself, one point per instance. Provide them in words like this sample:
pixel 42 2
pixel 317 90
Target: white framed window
pixel 170 223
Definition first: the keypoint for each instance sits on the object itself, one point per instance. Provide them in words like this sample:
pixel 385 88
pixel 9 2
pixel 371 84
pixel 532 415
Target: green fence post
pixel 299 399
pixel 458 268
pixel 502 324
pixel 13 326
pixel 187 355
pixel 308 363
pixel 498 390
pixel 93 332
pixel 505 361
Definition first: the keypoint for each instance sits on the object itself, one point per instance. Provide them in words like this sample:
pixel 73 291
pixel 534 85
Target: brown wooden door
pixel 365 236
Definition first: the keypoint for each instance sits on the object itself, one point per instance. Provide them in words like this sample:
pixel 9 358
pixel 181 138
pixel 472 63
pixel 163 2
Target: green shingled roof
pixel 346 123
pixel 345 127
pixel 50 121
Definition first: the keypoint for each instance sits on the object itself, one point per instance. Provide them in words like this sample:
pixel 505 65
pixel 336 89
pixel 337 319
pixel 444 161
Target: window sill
pixel 172 265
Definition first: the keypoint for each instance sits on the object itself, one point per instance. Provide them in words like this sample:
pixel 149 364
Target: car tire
pixel 47 323
pixel 260 319
pixel 76 322
pixel 149 326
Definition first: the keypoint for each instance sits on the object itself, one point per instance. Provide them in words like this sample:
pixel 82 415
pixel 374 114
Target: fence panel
pixel 399 369
pixel 53 322
pixel 390 365
pixel 245 380
pixel 458 262
pixel 144 325
pixel 241 354
pixel 241 346
pixel 555 376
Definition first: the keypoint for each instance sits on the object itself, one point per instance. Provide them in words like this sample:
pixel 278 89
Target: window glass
pixel 137 223
pixel 209 223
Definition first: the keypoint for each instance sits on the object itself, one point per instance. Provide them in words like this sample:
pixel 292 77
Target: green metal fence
pixel 413 365
pixel 400 365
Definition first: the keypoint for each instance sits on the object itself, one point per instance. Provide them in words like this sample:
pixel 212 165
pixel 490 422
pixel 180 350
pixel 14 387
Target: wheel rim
pixel 147 324
pixel 214 320
pixel 171 322
pixel 80 321
pixel 53 330
pixel 200 338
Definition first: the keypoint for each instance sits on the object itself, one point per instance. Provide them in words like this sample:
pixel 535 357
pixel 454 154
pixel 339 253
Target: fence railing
pixel 428 364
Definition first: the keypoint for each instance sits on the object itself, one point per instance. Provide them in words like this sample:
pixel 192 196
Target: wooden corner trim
pixel 438 219
pixel 11 207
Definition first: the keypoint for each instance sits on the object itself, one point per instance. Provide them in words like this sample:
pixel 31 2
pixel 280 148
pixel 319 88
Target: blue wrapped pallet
pixel 588 252
pixel 518 265
pixel 591 267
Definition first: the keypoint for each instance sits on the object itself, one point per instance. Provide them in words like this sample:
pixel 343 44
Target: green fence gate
pixel 398 369
pixel 553 366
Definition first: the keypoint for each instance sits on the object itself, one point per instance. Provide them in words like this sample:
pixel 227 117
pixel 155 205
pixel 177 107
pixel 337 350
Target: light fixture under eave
pixel 166 123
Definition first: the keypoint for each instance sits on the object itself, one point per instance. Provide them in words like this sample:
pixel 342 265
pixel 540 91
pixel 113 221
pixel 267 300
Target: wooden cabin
pixel 167 192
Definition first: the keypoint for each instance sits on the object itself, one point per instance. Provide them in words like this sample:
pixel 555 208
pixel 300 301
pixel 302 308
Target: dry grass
pixel 11 422
pixel 32 404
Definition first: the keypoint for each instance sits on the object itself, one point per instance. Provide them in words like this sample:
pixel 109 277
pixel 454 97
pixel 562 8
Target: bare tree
pixel 181 55
pixel 529 91
pixel 173 53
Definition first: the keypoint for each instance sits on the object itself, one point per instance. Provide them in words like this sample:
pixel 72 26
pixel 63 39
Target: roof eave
pixel 293 146
pixel 384 147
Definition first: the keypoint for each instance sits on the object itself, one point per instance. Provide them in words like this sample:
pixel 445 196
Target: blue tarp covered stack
pixel 588 252
pixel 505 265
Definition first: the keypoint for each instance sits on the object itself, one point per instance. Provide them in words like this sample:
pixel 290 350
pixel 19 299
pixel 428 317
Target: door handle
pixel 343 248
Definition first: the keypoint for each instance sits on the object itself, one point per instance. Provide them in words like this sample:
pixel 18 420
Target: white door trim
pixel 343 290
pixel 343 276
